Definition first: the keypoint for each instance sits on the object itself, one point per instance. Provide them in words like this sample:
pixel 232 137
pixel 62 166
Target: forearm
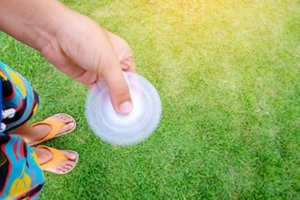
pixel 33 22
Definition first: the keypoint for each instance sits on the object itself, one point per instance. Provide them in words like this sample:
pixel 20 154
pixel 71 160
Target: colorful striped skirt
pixel 20 174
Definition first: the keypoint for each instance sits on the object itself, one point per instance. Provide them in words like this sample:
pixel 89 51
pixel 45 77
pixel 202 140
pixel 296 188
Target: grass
pixel 228 73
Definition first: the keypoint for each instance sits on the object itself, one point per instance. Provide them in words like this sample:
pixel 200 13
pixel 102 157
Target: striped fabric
pixel 20 174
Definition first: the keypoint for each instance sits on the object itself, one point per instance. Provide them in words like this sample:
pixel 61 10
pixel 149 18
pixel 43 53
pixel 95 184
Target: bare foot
pixel 45 155
pixel 40 131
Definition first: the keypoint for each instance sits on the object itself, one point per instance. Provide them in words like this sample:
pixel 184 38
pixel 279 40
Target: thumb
pixel 118 88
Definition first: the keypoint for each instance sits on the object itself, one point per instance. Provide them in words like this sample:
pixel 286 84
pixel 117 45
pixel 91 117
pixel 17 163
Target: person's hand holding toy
pixel 73 43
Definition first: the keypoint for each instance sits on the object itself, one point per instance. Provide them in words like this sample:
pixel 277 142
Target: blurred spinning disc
pixel 118 129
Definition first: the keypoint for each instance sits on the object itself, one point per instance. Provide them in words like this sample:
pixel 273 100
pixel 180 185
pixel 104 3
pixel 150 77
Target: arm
pixel 73 43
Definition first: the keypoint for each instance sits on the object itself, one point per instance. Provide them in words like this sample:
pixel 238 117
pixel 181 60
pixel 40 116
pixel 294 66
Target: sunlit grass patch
pixel 228 74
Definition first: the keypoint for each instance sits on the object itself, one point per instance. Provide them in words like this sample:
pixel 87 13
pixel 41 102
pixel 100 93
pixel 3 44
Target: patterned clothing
pixel 20 174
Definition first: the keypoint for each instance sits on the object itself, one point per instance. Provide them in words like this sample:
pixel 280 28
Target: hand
pixel 88 53
pixel 73 43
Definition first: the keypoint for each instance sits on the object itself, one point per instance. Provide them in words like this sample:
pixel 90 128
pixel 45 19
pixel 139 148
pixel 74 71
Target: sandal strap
pixel 55 127
pixel 57 158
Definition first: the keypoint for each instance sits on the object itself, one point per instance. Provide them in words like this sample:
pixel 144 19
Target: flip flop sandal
pixel 55 127
pixel 58 157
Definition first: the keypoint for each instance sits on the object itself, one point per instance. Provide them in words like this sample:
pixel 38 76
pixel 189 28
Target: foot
pixel 45 155
pixel 40 131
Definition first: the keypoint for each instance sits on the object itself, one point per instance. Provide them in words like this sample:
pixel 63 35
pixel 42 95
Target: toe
pixel 64 118
pixel 69 163
pixel 61 117
pixel 67 127
pixel 67 166
pixel 70 155
pixel 64 167
pixel 60 169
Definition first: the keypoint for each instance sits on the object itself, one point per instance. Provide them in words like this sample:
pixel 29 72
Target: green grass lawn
pixel 228 73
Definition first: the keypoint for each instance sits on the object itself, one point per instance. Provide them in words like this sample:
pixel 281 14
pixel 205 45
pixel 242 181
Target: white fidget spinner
pixel 118 129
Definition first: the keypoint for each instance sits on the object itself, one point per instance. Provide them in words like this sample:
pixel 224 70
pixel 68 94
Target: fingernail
pixel 125 108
